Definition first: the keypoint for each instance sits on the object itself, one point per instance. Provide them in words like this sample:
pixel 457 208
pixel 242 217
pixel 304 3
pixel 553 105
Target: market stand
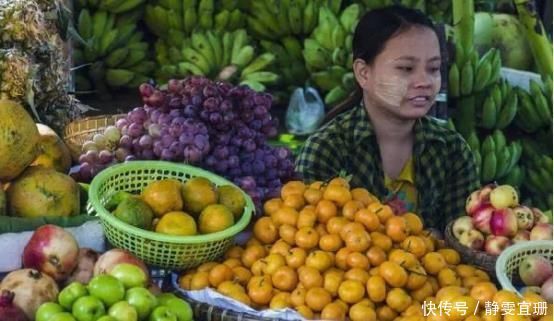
pixel 321 249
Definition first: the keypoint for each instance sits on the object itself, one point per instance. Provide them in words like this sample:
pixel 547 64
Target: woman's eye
pixel 405 68
pixel 434 69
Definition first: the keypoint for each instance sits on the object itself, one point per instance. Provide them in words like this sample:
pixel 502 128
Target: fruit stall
pixel 147 165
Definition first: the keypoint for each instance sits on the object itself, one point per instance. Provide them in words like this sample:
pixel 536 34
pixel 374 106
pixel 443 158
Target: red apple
pixel 504 196
pixel 525 217
pixel 539 216
pixel 482 219
pixel 546 290
pixel 504 222
pixel 534 270
pixel 472 239
pixel 521 235
pixel 107 261
pixel 494 245
pixel 541 231
pixel 51 250
pixel 461 225
pixel 473 202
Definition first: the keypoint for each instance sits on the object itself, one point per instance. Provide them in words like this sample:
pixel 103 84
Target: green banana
pixel 264 77
pixel 99 21
pixel 221 20
pixel 338 36
pixel 175 21
pixel 190 19
pixel 135 56
pixel 478 161
pixel 236 20
pixel 143 68
pixel 459 56
pixel 243 57
pixel 349 17
pixel 259 63
pixel 260 29
pixel 349 80
pixel 489 114
pixel 118 77
pixel 454 81
pixel 84 25
pixel 316 56
pixel 326 79
pixel 283 19
pixel 496 94
pixel 473 141
pixel 116 57
pixel 499 140
pixel 503 162
pixel 488 169
pixel 217 46
pixel 514 177
pixel 200 42
pixel 482 76
pixel 127 5
pixel 335 95
pixel 227 47
pixel 508 111
pixel 295 18
pixel 496 67
pixel 293 46
pixel 194 57
pixel 466 79
pixel 107 41
pixel 488 146
pixel 309 18
pixel 256 86
pixel 189 68
pixel 205 14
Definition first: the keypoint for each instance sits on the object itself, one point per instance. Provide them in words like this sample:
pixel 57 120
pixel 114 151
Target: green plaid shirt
pixel 445 171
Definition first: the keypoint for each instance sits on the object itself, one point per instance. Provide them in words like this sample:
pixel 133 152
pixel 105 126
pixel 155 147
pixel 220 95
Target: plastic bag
pixel 305 112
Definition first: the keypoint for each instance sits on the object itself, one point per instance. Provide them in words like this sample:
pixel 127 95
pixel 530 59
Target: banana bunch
pixel 470 74
pixel 182 17
pixel 376 4
pixel 229 56
pixel 272 20
pixel 499 106
pixel 113 6
pixel 289 61
pixel 495 158
pixel 535 110
pixel 439 10
pixel 538 168
pixel 114 52
pixel 328 53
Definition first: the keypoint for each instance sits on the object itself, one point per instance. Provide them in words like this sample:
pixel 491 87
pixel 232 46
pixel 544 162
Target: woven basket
pixel 480 259
pixel 507 265
pixel 79 131
pixel 156 249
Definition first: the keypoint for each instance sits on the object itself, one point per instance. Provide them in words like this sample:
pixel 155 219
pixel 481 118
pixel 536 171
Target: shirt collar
pixel 424 130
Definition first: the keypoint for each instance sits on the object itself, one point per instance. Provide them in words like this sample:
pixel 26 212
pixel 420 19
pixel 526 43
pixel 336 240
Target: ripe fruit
pixel 215 218
pixel 163 196
pixel 433 262
pixel 176 223
pixel 265 230
pixel 260 289
pixel 333 311
pixel 306 238
pixel 504 196
pixel 393 274
pixel 351 291
pixel 317 298
pixel 197 193
pixel 285 278
pixel 398 299
pixel 107 288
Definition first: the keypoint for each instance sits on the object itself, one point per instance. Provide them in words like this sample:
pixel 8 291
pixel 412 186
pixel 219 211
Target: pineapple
pixel 21 22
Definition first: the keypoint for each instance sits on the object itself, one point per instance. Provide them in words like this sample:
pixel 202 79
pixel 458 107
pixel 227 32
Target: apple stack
pixel 496 220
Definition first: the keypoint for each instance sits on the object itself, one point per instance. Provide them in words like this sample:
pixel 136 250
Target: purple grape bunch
pixel 211 124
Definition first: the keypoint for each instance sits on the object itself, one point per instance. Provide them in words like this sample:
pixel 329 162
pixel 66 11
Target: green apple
pixel 123 311
pixel 162 313
pixel 107 318
pixel 107 288
pixel 143 301
pixel 130 275
pixel 46 310
pixel 88 308
pixel 178 306
pixel 62 316
pixel 71 293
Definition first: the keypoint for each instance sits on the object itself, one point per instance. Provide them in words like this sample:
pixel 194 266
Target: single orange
pixel 350 208
pixel 325 210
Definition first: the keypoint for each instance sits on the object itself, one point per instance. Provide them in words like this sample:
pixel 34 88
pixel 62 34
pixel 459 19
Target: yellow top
pixel 402 193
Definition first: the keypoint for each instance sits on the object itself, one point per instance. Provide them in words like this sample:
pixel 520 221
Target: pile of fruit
pixel 535 271
pixel 496 220
pixel 162 204
pixel 332 252
pixel 213 125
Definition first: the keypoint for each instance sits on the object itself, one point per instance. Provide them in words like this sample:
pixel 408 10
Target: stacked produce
pixel 181 18
pixel 113 6
pixel 496 220
pixel 229 56
pixel 113 54
pixel 32 63
pixel 328 53
pixel 332 252
pixel 209 124
pixel 171 207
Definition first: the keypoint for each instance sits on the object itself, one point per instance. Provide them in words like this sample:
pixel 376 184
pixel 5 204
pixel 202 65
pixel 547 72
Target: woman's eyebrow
pixel 414 59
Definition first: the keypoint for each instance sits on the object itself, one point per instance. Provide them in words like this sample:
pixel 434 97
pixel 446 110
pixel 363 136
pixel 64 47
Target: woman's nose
pixel 422 79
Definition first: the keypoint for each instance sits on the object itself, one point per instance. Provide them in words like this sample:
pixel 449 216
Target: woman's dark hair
pixel 377 26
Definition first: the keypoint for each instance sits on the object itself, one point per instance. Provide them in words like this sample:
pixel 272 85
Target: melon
pixel 41 191
pixel 53 153
pixel 18 139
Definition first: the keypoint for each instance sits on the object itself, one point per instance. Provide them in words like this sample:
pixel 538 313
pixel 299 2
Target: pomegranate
pixel 31 288
pixel 52 250
pixel 8 310
pixel 107 261
pixel 85 266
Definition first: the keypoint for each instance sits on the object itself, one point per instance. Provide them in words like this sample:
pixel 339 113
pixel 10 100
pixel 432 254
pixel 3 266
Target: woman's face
pixel 405 77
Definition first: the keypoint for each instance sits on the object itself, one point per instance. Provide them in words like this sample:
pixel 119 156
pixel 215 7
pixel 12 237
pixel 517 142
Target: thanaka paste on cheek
pixel 391 89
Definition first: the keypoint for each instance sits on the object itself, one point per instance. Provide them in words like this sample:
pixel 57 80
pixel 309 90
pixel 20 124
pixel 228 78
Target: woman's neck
pixel 388 127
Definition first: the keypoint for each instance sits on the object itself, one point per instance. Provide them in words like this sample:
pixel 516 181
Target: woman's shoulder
pixel 343 124
pixel 440 129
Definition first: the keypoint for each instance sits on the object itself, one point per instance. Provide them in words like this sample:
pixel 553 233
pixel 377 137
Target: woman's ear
pixel 361 72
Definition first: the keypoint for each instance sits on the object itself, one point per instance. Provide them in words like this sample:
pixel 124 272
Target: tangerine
pixel 376 255
pixel 219 274
pixel 163 196
pixel 310 277
pixel 198 193
pixel 414 223
pixel 233 198
pixel 296 257
pixel 325 210
pixel 287 233
pixel 398 299
pixel 368 218
pixel 415 245
pixel 363 195
pixel 271 206
pixel 393 274
pixel 312 195
pixel 297 297
pixel 330 242
pixel 285 278
pixel 215 218
pixel 362 311
pixel 397 228
pixel 265 230
pixel 307 238
pixel 351 291
pixel 357 274
pixel 293 187
pixel 317 298
pixel 333 311
pixel 307 217
pixel 376 288
pixel 176 223
pixel 350 208
pixel 335 224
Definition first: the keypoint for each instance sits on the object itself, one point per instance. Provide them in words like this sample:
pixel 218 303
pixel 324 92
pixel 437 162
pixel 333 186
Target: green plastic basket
pixel 507 264
pixel 155 249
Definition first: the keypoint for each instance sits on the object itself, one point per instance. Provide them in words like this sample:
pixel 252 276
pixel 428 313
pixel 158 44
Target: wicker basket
pixel 480 259
pixel 507 265
pixel 156 249
pixel 79 131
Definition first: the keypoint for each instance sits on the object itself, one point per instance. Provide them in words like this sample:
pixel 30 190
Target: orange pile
pixel 335 253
